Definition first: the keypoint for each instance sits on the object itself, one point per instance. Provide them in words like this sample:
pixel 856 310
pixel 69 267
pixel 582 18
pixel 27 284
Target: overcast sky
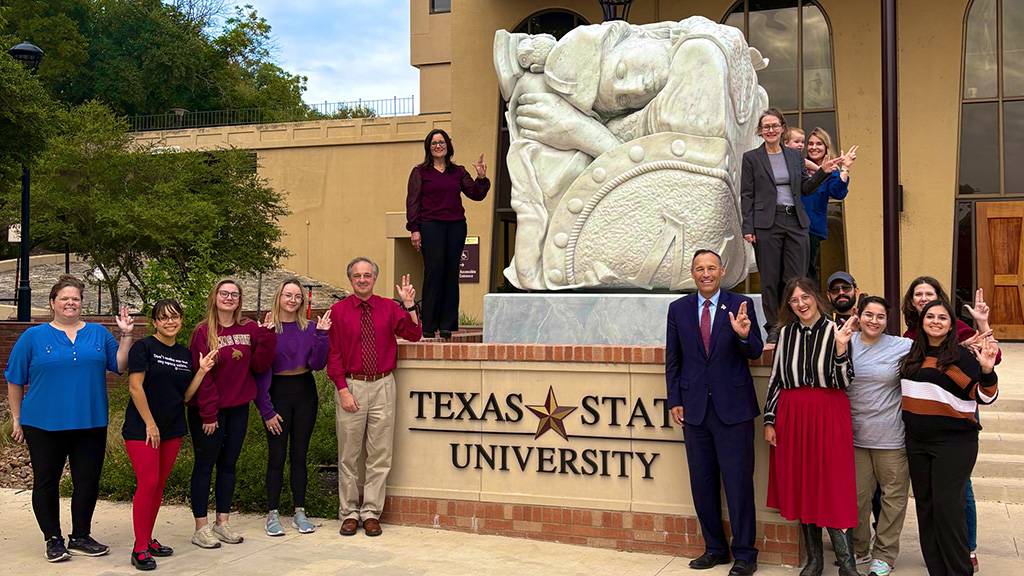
pixel 349 49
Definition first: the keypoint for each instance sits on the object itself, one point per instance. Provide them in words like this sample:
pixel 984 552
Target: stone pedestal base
pixel 560 318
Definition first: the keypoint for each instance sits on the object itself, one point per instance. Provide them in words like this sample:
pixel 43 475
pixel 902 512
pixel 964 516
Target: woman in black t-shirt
pixel 161 380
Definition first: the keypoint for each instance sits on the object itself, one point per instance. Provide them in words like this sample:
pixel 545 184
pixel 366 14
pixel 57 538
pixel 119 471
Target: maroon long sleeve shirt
pixel 245 350
pixel 437 196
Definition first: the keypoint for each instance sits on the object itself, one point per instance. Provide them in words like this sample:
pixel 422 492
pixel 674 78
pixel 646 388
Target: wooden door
pixel 1000 240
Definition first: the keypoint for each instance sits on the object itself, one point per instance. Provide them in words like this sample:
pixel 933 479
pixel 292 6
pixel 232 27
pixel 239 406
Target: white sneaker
pixel 205 538
pixel 226 535
pixel 879 568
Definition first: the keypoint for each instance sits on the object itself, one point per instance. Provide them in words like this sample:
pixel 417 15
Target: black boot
pixel 842 543
pixel 811 535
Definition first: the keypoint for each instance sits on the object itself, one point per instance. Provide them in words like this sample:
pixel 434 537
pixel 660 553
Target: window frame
pixel 435 11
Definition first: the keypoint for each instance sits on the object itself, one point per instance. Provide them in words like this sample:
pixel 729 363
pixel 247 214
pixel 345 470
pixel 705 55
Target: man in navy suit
pixel 711 394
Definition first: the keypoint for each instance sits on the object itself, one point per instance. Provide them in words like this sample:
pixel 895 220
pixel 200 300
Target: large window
pixel 795 37
pixel 557 23
pixel 991 131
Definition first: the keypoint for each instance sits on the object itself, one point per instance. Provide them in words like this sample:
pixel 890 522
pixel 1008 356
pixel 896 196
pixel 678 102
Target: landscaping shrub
pixel 118 480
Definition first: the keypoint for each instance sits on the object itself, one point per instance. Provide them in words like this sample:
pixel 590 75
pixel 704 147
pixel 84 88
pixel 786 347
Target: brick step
pixel 1000 443
pixel 1006 490
pixel 997 465
pixel 1003 422
pixel 1004 404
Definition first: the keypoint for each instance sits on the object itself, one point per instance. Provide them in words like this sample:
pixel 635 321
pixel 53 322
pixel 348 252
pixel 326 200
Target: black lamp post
pixel 30 56
pixel 615 9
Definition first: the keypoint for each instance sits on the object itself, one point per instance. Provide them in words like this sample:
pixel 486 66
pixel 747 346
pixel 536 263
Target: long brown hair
pixel 212 319
pixel 428 158
pixel 948 352
pixel 275 307
pixel 786 314
pixel 909 311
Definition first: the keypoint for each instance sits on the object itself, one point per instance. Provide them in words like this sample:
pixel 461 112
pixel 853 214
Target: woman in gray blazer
pixel 774 220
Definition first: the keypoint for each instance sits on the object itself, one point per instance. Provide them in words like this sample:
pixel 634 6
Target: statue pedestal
pixel 568 318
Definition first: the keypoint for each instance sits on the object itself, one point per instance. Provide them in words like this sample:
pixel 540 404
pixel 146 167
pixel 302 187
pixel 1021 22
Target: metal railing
pixel 180 118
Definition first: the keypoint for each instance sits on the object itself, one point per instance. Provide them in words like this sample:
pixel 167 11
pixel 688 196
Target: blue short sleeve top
pixel 66 381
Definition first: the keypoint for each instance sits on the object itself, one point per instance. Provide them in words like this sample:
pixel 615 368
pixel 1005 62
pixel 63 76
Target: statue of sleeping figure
pixel 626 144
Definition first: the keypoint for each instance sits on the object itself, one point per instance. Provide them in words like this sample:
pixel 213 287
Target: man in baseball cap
pixel 843 295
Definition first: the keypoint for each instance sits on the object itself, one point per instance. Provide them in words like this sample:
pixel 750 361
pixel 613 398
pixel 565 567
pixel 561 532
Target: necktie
pixel 705 326
pixel 369 350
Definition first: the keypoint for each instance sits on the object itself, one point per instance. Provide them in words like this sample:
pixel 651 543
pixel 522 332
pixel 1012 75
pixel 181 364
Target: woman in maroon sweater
pixel 219 414
pixel 437 221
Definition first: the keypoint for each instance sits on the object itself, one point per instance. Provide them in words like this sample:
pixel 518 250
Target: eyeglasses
pixel 839 288
pixel 229 295
pixel 174 318
pixel 798 300
pixel 292 297
pixel 771 127
pixel 438 144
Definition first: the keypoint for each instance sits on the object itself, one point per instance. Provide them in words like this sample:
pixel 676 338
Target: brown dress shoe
pixel 349 527
pixel 372 527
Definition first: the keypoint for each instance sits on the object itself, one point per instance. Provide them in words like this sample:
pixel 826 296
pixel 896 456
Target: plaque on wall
pixel 469 265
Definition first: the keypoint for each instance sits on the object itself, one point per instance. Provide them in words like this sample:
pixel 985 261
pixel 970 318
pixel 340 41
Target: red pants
pixel 152 467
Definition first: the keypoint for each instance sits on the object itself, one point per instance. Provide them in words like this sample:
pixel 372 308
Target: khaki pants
pixel 887 469
pixel 372 426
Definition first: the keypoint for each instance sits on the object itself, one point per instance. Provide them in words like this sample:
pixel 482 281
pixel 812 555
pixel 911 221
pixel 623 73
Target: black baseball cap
pixel 841 275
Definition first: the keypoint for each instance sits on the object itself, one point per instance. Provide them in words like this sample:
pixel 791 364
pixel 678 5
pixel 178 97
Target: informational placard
pixel 469 266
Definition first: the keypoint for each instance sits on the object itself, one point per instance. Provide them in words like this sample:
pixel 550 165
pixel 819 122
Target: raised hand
pixel 208 361
pixel 850 156
pixel 986 355
pixel 844 333
pixel 830 165
pixel 740 322
pixel 406 292
pixel 481 167
pixel 810 166
pixel 125 322
pixel 324 322
pixel 980 310
pixel 267 322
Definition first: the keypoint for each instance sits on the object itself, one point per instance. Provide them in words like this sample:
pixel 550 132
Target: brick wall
pixel 778 543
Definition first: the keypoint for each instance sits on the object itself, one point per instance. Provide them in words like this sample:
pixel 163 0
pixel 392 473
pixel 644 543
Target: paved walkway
pixel 406 551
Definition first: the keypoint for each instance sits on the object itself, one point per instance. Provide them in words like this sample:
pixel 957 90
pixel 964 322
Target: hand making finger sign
pixel 208 361
pixel 324 322
pixel 125 322
pixel 740 322
pixel 268 321
pixel 844 332
pixel 987 355
pixel 980 309
pixel 481 167
pixel 406 292
pixel 850 156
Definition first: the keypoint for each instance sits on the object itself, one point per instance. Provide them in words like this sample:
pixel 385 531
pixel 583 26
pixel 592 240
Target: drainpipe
pixel 891 190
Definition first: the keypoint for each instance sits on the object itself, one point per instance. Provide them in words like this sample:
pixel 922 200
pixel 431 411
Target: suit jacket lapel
pixel 762 155
pixel 693 312
pixel 721 323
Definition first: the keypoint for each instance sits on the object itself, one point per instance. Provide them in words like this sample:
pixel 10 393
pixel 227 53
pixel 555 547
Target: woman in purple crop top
pixel 287 399
pixel 437 221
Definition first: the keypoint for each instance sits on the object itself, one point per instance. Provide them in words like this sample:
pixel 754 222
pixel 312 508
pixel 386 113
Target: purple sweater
pixel 437 196
pixel 295 349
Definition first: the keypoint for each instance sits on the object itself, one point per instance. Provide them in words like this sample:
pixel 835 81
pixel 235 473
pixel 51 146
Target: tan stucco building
pixel 961 78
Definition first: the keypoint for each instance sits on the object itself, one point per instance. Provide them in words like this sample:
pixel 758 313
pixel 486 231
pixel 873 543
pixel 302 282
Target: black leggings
pixel 442 251
pixel 84 448
pixel 295 400
pixel 222 448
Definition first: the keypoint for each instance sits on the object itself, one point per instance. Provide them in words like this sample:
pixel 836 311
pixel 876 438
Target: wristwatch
pixel 409 308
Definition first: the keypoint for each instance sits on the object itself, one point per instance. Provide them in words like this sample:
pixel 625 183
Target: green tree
pixel 123 207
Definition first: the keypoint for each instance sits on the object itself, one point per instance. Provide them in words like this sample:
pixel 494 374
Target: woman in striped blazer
pixel 943 383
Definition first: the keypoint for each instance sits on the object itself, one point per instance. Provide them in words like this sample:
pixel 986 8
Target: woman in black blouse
pixel 807 422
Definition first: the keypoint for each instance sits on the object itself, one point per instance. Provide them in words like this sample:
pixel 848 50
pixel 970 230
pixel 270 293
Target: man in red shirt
pixel 363 354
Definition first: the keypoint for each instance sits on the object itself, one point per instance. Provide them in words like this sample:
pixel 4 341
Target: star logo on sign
pixel 551 415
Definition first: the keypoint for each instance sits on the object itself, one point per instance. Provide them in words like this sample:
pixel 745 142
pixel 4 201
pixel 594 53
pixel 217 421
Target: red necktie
pixel 705 326
pixel 369 349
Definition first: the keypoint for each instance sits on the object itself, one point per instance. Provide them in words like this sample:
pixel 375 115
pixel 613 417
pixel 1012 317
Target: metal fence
pixel 180 118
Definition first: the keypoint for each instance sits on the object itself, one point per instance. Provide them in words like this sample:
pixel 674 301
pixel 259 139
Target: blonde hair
pixel 213 320
pixel 820 134
pixel 275 307
pixel 788 134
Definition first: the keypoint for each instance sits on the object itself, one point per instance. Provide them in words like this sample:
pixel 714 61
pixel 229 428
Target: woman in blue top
pixel 63 414
pixel 837 185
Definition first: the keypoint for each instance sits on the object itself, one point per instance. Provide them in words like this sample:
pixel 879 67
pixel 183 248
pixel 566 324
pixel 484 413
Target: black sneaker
pixel 143 560
pixel 159 550
pixel 86 546
pixel 55 550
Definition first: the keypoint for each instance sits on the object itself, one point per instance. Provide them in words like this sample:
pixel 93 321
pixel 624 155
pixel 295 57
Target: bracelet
pixel 409 308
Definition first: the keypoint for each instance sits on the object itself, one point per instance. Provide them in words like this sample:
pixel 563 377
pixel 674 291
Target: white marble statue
pixel 626 144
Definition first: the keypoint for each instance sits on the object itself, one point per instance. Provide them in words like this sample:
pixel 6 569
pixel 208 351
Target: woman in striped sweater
pixel 807 422
pixel 942 384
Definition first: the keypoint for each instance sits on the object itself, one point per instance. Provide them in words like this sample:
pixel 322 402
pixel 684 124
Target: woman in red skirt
pixel 807 422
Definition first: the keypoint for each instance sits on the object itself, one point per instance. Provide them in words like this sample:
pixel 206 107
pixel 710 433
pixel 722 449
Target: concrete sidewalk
pixel 405 550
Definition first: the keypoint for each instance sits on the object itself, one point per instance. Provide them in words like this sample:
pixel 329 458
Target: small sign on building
pixel 14 233
pixel 469 266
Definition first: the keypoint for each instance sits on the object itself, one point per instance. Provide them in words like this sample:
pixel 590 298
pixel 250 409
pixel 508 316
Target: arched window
pixel 990 177
pixel 796 38
pixel 557 23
